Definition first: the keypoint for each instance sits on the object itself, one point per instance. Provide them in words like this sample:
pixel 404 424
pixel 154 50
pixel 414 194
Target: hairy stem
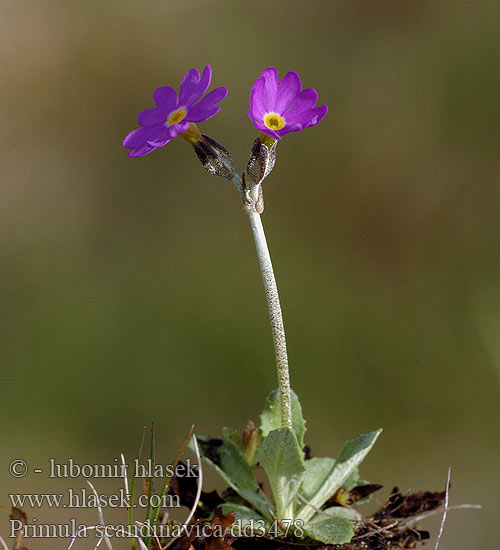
pixel 253 206
pixel 273 303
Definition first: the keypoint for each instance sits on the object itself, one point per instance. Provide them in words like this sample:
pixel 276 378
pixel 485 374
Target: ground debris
pixel 400 506
pixel 185 488
pixel 362 491
pixel 393 526
pixel 220 523
pixel 216 537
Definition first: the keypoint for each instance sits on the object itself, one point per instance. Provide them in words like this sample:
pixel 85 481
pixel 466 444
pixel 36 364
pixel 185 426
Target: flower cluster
pixel 276 109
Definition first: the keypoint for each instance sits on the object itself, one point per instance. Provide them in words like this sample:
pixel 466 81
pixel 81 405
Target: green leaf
pixel 270 419
pixel 282 460
pixel 316 471
pixel 244 515
pixel 336 530
pixel 334 511
pixel 232 435
pixel 351 455
pixel 228 462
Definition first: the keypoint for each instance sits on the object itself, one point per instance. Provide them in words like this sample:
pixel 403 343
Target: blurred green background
pixel 130 290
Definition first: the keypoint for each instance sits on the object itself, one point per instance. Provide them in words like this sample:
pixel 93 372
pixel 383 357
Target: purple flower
pixel 278 108
pixel 174 114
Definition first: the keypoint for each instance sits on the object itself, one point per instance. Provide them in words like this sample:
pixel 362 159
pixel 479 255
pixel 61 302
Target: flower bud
pixel 215 158
pixel 262 159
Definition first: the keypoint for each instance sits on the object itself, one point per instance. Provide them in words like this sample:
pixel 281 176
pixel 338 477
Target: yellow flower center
pixel 274 121
pixel 176 116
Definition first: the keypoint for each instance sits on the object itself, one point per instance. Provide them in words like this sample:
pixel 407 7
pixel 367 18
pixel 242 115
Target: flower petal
pixel 305 100
pixel 256 106
pixel 161 138
pixel 150 117
pixel 165 98
pixel 201 113
pixel 140 137
pixel 205 108
pixel 193 86
pixel 304 120
pixel 288 90
pixel 253 117
pixel 308 117
pixel 206 77
pixel 141 151
pixel 189 83
pixel 270 88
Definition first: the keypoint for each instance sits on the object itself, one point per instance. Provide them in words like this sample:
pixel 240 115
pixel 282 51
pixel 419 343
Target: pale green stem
pixel 273 303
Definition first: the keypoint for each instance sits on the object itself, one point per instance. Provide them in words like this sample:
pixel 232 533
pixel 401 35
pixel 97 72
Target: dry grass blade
pixel 91 527
pixel 141 543
pixel 101 515
pixel 445 511
pixel 200 481
pixel 417 519
pixel 77 534
pixel 125 479
pixel 198 491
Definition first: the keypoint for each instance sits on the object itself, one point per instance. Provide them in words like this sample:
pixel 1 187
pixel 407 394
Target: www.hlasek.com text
pixel 85 498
